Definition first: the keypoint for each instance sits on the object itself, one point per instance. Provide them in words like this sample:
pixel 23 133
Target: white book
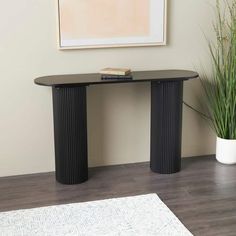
pixel 115 71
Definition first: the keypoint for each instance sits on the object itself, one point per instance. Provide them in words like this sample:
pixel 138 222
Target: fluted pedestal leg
pixel 70 134
pixel 166 126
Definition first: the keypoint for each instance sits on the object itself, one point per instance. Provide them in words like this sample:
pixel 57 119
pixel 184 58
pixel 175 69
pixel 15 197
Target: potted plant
pixel 220 89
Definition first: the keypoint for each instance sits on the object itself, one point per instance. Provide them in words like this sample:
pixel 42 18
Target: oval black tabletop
pixel 137 76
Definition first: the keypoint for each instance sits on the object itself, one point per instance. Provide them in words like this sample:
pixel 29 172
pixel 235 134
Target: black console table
pixel 70 120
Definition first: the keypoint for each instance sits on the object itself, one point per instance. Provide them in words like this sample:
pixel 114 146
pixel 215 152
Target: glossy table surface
pixel 137 76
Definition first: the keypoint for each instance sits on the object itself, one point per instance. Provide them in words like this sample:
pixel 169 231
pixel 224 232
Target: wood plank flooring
pixel 202 195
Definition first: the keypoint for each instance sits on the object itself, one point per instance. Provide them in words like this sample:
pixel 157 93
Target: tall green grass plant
pixel 220 90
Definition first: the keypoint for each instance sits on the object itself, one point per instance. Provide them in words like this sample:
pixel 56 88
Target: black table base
pixel 70 130
pixel 70 134
pixel 166 126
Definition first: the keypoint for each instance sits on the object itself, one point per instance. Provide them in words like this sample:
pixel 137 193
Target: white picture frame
pixel 72 34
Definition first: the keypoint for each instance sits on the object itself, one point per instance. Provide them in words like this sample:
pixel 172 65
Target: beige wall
pixel 119 116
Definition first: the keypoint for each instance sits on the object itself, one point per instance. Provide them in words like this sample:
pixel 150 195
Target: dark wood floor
pixel 202 195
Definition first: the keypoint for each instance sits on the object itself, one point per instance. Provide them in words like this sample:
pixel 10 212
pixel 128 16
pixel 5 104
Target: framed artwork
pixel 111 23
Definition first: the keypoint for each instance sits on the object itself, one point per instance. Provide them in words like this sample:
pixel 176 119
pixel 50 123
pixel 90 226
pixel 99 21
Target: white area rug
pixel 143 215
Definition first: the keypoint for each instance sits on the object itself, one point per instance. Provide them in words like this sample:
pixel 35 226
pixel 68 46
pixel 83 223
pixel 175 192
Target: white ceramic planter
pixel 226 151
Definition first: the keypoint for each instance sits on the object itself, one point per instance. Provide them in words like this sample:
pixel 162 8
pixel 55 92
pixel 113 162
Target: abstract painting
pixel 111 23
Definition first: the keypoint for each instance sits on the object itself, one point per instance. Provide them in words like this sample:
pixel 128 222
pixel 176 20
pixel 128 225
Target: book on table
pixel 115 71
pixel 116 77
pixel 116 74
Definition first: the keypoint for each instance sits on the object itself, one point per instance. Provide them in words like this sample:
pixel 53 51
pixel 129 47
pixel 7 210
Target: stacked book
pixel 115 73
